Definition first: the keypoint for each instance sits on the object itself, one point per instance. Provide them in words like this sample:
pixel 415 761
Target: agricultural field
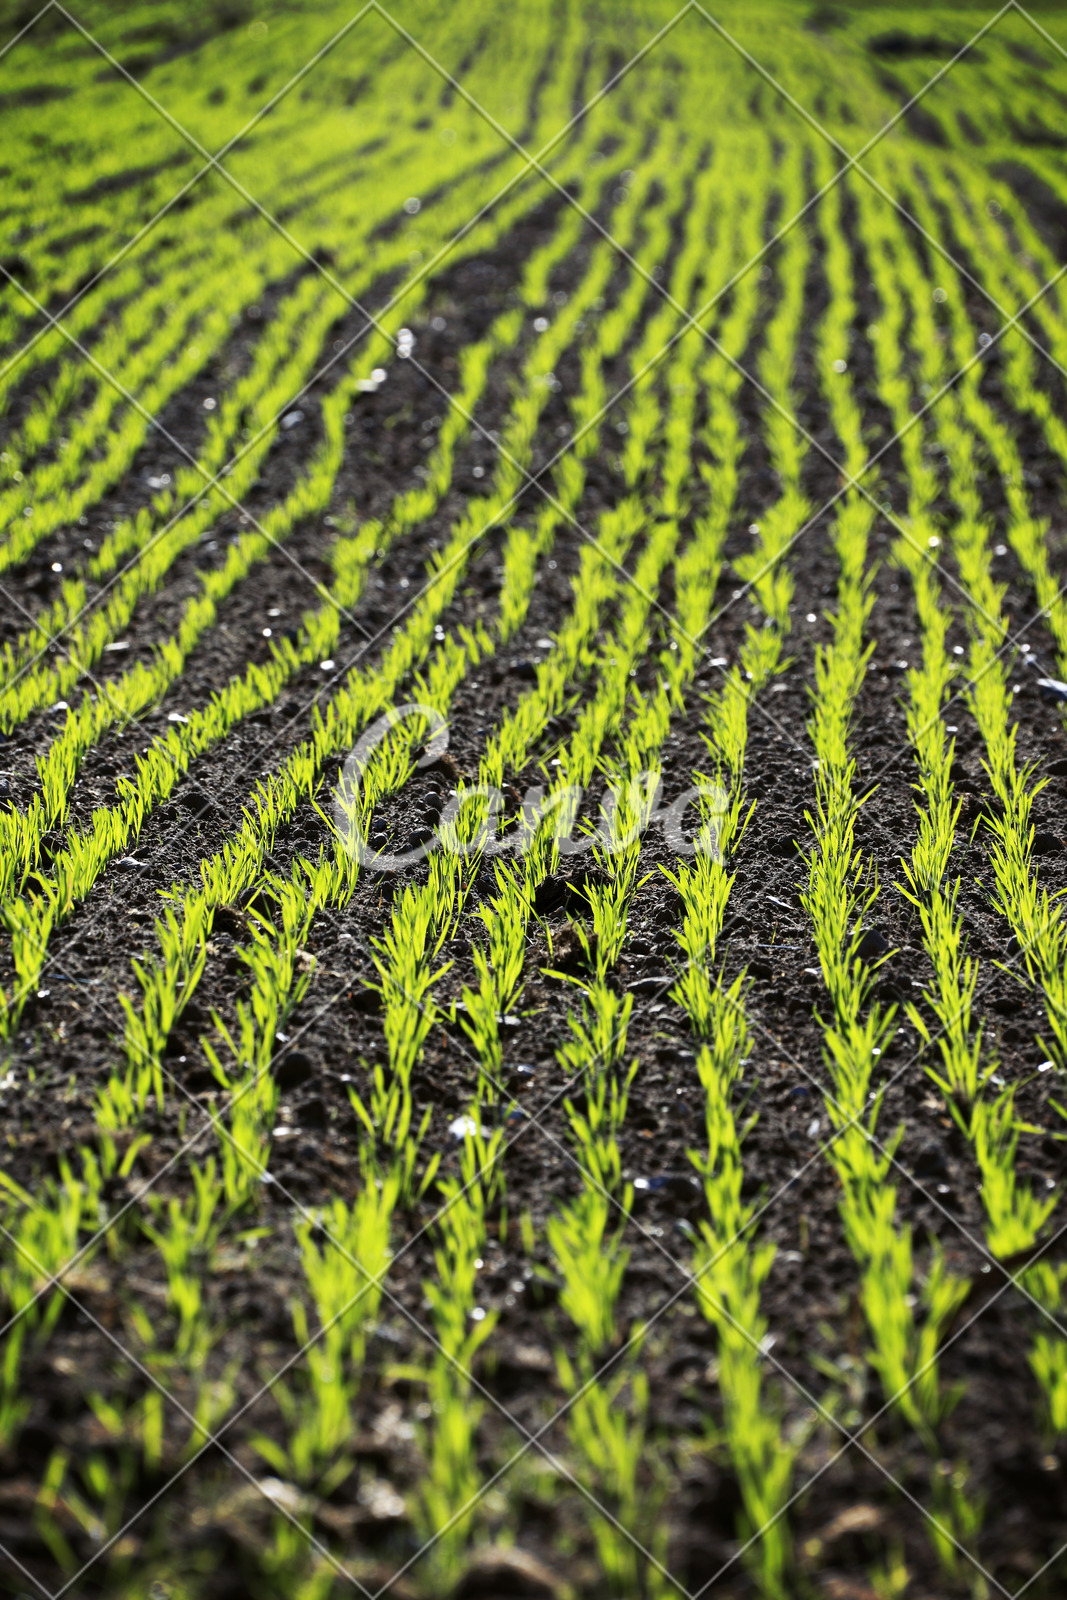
pixel 533 800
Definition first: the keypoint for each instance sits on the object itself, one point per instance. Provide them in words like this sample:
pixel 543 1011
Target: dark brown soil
pixel 208 1524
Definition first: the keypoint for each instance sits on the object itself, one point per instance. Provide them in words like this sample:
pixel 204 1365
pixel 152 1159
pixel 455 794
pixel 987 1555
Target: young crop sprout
pixel 399 718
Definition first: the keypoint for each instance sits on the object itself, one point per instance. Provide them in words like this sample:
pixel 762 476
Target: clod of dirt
pixel 513 1572
pixel 368 1001
pixel 785 845
pixel 1046 844
pixel 196 800
pixel 230 919
pixel 557 892
pixel 931 1162
pixel 872 945
pixel 293 1070
pixel 568 952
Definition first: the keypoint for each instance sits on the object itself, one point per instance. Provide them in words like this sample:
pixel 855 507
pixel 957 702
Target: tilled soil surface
pixel 861 1475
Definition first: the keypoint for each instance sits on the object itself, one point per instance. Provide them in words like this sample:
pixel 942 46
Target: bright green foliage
pixel 659 450
pixel 345 1254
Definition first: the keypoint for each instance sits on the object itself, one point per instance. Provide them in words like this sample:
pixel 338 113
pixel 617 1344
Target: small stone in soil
pixel 524 669
pixel 462 1126
pixel 648 986
pixel 293 1070
pixel 1052 689
pixel 665 1182
pixel 930 1162
pixel 131 864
